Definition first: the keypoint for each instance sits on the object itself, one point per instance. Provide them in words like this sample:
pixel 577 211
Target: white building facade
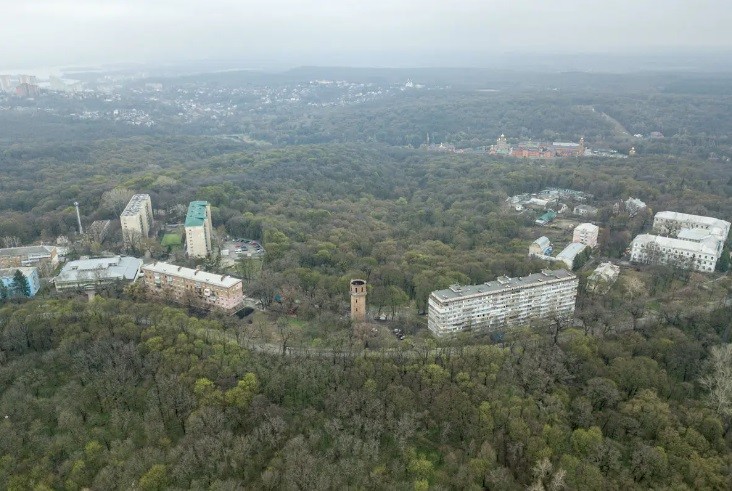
pixel 136 219
pixel 687 254
pixel 671 222
pixel 505 302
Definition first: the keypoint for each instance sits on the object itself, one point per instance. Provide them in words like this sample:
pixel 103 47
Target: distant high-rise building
pixel 6 83
pixel 136 219
pixel 198 229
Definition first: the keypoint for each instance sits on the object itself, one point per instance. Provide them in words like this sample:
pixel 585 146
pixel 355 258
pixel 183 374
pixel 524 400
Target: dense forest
pixel 118 393
pixel 114 395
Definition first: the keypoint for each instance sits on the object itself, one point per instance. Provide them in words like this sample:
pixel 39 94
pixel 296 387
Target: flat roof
pixel 587 226
pixel 135 204
pixel 26 270
pixel 104 268
pixel 20 251
pixel 224 281
pixel 685 217
pixel 571 250
pixel 502 283
pixel 686 245
pixel 196 213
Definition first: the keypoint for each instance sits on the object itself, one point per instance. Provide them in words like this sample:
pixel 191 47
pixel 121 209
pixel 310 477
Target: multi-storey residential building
pixel 183 285
pixel 44 257
pixel 198 229
pixel 506 302
pixel 136 219
pixel 687 254
pixel 86 274
pixel 671 222
pixel 586 233
pixel 7 278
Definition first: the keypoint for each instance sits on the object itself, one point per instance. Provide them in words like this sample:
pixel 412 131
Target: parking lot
pixel 237 248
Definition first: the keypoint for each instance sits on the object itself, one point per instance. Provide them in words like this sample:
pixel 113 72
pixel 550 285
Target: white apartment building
pixel 136 219
pixel 671 222
pixel 701 255
pixel 208 290
pixel 505 302
pixel 198 229
pixel 586 233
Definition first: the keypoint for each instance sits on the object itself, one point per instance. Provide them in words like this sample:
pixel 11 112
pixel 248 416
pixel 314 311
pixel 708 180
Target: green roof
pixel 196 213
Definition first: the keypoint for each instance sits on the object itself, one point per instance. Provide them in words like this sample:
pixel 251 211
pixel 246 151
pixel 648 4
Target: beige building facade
pixel 136 219
pixel 183 285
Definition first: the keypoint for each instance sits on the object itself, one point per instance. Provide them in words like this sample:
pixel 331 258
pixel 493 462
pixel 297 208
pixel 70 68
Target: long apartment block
pixel 506 302
pixel 183 285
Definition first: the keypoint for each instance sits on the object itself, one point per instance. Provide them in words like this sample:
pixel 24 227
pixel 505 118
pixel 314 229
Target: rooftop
pixel 502 283
pixel 105 268
pixel 571 250
pixel 196 213
pixel 704 247
pixel 685 217
pixel 26 270
pixel 587 227
pixel 224 281
pixel 135 205
pixel 27 250
pixel 543 241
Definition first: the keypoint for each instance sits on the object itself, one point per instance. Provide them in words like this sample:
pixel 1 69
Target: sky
pixel 347 32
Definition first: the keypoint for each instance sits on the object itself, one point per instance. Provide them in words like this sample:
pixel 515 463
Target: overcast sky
pixel 346 32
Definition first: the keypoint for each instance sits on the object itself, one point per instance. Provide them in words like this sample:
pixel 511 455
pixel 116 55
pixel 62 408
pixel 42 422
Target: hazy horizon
pixel 406 33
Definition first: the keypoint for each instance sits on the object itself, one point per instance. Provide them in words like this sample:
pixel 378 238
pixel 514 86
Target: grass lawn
pixel 171 240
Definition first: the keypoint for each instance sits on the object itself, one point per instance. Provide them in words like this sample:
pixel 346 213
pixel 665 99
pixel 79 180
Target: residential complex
pixel 697 241
pixel 136 219
pixel 586 233
pixel 7 278
pixel 506 302
pixel 43 256
pixel 687 254
pixel 671 222
pixel 183 285
pixel 86 274
pixel 198 229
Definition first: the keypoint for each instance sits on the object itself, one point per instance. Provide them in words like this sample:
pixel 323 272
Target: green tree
pixel 21 286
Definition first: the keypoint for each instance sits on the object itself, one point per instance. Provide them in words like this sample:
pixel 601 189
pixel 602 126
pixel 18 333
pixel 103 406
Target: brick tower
pixel 358 300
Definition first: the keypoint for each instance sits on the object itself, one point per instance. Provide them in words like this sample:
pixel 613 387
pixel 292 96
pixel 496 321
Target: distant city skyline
pixel 399 33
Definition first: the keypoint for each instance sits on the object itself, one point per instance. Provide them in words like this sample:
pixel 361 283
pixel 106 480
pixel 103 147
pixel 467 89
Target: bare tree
pixel 116 199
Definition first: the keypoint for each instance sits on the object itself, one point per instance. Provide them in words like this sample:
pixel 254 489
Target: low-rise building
pixel 671 223
pixel 86 274
pixel 506 302
pixel 7 278
pixel 686 254
pixel 634 205
pixel 586 233
pixel 184 285
pixel 585 211
pixel 546 218
pixel 540 247
pixel 570 252
pixel 198 229
pixel 44 257
pixel 603 278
